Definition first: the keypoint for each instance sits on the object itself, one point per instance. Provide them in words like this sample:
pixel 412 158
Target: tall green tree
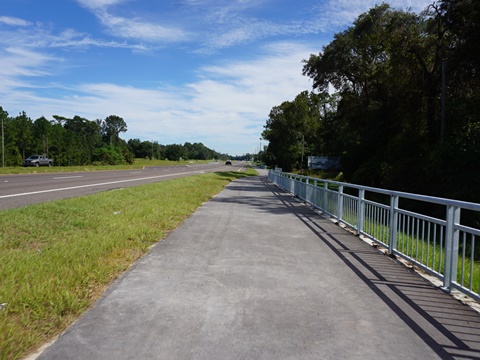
pixel 385 69
pixel 198 151
pixel 144 149
pixel 42 134
pixel 13 156
pixel 292 130
pixel 58 144
pixel 3 121
pixel 175 152
pixel 112 127
pixel 453 163
pixel 23 127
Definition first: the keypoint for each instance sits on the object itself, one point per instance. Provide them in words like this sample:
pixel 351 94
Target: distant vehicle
pixel 228 162
pixel 37 160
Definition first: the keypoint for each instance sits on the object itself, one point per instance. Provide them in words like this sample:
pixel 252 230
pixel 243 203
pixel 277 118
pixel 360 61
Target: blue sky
pixel 176 70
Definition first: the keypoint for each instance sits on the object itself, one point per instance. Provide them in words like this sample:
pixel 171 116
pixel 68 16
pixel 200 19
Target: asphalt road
pixel 256 274
pixel 21 190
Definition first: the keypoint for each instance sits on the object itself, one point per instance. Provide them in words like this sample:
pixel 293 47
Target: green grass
pixel 138 164
pixel 57 258
pixel 419 244
pixel 429 253
pixel 416 245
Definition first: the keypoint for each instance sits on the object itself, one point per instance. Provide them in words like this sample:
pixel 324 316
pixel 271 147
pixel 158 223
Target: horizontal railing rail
pixel 432 238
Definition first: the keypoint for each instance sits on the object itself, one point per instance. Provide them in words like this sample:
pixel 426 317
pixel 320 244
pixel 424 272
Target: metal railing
pixel 424 230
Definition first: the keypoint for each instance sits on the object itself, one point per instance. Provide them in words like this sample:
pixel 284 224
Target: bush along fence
pixel 440 236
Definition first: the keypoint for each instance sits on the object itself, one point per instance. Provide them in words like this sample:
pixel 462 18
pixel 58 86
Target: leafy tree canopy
pixel 377 102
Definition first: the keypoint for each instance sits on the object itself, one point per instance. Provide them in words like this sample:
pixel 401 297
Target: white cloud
pixel 342 13
pixel 230 98
pixel 249 30
pixel 140 30
pixel 97 4
pixel 18 61
pixel 219 7
pixel 134 28
pixel 39 37
pixel 206 109
pixel 225 106
pixel 212 25
pixel 254 86
pixel 225 23
pixel 13 21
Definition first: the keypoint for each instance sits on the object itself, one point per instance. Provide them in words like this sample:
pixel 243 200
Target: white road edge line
pixel 92 185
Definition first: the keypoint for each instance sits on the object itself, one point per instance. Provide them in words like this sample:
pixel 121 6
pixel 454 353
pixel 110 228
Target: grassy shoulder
pixel 138 164
pixel 57 258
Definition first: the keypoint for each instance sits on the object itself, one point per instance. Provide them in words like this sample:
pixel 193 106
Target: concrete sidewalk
pixel 256 274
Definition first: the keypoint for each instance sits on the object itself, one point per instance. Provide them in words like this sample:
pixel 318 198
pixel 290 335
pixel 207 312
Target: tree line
pixel 396 96
pixel 78 141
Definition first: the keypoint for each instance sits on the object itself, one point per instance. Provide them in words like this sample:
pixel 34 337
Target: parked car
pixel 228 162
pixel 37 160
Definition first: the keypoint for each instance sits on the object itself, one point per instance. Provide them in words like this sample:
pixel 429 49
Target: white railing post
pixel 325 196
pixel 303 189
pixel 392 241
pixel 441 236
pixel 451 247
pixel 361 210
pixel 340 203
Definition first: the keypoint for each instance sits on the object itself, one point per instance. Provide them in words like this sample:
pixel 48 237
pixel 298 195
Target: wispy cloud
pixel 342 13
pixel 132 28
pixel 231 97
pixel 13 21
pixel 135 31
pixel 221 6
pixel 238 28
pixel 213 25
pixel 20 66
pixel 18 61
pixel 246 31
pixel 210 25
pixel 140 30
pixel 40 37
pixel 99 4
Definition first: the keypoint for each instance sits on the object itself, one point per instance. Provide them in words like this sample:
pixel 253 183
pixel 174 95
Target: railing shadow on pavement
pixel 450 328
pixel 446 325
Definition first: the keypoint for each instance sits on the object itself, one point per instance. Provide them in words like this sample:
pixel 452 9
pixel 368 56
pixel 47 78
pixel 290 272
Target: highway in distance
pixel 22 190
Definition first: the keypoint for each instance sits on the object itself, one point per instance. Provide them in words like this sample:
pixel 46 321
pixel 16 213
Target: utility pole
pixel 442 120
pixel 303 149
pixel 3 147
pixel 260 149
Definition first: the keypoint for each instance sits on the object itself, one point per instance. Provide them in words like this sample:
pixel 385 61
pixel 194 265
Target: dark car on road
pixel 228 162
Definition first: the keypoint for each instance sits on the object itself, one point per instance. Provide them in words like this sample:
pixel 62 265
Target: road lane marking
pixel 67 177
pixel 99 184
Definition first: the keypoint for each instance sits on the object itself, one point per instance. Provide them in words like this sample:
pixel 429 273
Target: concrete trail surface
pixel 256 274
